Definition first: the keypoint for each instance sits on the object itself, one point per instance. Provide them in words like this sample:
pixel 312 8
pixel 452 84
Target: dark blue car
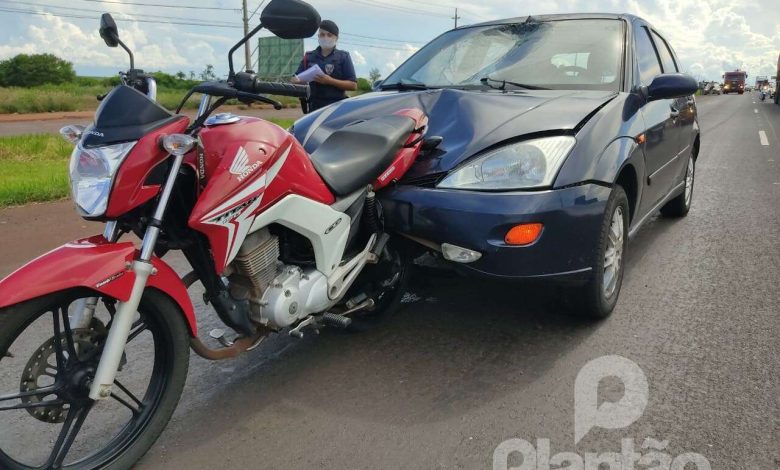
pixel 551 140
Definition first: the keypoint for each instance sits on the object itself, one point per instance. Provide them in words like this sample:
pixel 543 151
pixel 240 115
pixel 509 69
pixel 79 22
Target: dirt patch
pixel 38 123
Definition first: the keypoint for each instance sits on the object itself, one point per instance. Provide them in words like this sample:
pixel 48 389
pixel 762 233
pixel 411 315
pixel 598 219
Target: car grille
pixel 424 181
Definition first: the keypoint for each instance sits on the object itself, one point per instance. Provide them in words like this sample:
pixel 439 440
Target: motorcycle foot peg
pixel 339 321
pixel 219 335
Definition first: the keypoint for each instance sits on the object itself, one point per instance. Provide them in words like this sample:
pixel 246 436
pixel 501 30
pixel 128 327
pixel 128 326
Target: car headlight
pixel 92 172
pixel 523 165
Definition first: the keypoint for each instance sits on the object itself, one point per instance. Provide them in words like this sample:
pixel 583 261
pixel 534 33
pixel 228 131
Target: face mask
pixel 327 43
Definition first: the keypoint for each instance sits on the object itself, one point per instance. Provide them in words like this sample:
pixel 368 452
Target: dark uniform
pixel 338 64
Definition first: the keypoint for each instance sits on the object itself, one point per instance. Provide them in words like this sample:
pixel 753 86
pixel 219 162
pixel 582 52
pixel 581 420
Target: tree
pixel 28 70
pixel 180 75
pixel 363 84
pixel 374 74
pixel 208 73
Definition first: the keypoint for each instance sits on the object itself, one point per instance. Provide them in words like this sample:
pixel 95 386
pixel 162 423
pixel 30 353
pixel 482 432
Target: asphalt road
pixel 466 364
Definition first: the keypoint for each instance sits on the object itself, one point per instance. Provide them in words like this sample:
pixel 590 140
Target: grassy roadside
pixel 34 168
pixel 73 97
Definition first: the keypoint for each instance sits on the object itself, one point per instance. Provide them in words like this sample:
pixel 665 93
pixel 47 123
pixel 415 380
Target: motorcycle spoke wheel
pixel 47 419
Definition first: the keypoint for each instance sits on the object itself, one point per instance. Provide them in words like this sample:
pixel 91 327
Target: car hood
pixel 468 121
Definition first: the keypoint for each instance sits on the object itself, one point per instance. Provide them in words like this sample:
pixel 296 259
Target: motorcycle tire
pixel 160 327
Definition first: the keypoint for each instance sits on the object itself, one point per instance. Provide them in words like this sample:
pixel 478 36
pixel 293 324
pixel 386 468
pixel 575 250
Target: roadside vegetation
pixel 45 83
pixel 34 167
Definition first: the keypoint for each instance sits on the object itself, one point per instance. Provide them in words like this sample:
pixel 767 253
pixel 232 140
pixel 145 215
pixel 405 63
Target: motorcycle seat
pixel 357 154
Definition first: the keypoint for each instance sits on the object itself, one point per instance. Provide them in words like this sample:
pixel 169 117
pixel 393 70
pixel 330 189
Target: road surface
pixel 467 364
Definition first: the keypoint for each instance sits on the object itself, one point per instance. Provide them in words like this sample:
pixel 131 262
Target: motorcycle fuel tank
pixel 249 165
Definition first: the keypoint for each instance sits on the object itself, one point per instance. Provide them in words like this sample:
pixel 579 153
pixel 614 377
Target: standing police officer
pixel 339 73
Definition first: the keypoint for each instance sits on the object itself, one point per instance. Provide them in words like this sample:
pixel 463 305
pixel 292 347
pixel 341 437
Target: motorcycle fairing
pixel 98 265
pixel 250 165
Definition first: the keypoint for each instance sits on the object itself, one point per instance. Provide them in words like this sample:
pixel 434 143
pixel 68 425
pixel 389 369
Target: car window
pixel 663 50
pixel 647 58
pixel 561 54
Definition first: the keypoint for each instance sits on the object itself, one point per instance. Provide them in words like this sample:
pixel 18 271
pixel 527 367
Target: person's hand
pixel 324 79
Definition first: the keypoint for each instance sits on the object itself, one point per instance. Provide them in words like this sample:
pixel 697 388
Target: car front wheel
pixel 597 298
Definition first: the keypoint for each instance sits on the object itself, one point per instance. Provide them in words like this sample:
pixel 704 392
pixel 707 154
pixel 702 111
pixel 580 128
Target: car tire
pixel 681 205
pixel 597 298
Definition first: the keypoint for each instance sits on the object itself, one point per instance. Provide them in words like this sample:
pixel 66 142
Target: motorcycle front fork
pixel 122 321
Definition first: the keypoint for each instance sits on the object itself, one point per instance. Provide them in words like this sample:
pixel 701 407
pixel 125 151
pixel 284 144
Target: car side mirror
pixel 671 85
pixel 108 30
pixel 290 19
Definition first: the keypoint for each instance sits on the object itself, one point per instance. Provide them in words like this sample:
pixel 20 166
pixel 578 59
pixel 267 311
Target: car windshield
pixel 562 54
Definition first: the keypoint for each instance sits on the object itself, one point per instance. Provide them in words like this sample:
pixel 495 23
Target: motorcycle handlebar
pixel 284 89
pixel 248 82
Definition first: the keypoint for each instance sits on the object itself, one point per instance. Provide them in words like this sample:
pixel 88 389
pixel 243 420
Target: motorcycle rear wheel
pixel 54 385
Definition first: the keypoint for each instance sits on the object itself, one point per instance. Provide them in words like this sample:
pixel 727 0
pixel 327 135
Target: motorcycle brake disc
pixel 41 371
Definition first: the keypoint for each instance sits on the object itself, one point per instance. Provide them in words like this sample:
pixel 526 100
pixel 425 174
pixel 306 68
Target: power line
pixel 92 17
pixel 255 12
pixel 382 39
pixel 14 2
pixel 399 8
pixel 373 46
pixel 162 5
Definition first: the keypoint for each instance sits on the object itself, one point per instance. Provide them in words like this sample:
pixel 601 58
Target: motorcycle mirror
pixel 108 30
pixel 110 34
pixel 290 19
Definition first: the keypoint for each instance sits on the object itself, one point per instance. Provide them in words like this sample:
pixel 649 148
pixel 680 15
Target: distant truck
pixel 734 81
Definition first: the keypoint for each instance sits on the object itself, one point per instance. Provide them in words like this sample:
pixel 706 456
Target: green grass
pixel 81 97
pixel 33 168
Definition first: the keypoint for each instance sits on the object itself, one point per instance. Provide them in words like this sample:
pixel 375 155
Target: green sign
pixel 278 58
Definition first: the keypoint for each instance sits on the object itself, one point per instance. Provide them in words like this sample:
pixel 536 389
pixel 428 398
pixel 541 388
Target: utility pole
pixel 247 53
pixel 456 17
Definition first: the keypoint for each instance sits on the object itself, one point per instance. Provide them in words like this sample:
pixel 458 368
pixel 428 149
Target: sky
pixel 710 36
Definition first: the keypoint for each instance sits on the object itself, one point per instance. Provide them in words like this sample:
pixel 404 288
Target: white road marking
pixel 762 136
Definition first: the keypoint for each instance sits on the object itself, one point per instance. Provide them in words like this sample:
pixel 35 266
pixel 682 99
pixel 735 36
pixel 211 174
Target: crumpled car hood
pixel 469 121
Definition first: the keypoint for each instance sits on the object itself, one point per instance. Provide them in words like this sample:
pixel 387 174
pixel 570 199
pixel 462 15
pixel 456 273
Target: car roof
pixel 559 16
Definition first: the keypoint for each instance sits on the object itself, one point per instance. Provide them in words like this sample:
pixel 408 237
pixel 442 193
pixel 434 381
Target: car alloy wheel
pixel 689 181
pixel 613 256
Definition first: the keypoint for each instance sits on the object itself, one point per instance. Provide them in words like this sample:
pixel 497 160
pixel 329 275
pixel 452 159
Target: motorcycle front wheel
pixel 47 419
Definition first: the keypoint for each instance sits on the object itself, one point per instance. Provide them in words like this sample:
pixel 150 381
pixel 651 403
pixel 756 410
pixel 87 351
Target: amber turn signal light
pixel 523 234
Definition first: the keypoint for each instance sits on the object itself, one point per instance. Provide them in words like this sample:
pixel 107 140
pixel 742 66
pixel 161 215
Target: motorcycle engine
pixel 279 295
pixel 254 267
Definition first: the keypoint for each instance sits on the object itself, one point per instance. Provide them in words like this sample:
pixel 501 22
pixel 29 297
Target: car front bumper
pixel 479 221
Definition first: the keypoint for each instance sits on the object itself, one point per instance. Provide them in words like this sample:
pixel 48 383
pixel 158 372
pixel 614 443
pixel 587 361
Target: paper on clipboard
pixel 310 74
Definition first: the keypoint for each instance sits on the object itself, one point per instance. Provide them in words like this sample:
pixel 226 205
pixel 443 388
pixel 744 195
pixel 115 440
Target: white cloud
pixel 358 58
pixel 710 36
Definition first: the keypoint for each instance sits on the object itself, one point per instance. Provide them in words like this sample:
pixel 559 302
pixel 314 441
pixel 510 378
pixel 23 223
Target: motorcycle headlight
pixel 523 165
pixel 92 173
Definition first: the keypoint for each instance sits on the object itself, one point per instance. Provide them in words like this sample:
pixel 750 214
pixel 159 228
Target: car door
pixel 661 128
pixel 686 109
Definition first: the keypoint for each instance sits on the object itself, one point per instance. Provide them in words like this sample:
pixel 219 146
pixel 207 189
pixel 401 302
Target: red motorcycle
pixel 281 241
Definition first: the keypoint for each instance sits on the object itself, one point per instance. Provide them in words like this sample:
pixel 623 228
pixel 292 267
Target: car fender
pixel 617 155
pixel 96 264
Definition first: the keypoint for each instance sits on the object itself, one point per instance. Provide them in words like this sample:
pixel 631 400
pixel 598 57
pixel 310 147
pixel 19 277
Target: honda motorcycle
pixel 95 335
